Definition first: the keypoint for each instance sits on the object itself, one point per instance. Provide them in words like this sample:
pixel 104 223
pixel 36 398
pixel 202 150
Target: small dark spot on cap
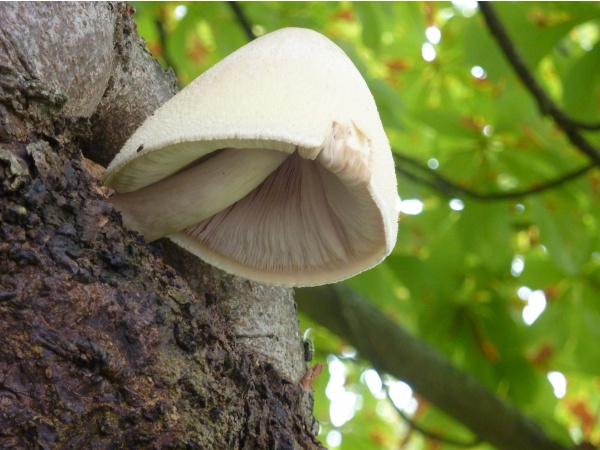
pixel 140 148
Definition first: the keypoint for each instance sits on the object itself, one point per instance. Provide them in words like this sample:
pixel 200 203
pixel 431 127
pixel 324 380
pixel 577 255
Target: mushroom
pixel 272 165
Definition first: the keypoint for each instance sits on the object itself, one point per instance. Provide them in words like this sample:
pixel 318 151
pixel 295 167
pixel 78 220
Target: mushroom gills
pixel 196 193
pixel 301 219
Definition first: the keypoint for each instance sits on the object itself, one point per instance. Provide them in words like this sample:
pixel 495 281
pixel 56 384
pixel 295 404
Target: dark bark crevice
pixel 137 86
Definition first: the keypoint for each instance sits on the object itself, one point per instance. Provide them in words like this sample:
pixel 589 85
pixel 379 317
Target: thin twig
pixel 162 38
pixel 588 126
pixel 545 103
pixel 243 20
pixel 451 189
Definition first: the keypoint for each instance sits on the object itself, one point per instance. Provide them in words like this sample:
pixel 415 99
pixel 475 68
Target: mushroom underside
pixel 302 221
pixel 197 192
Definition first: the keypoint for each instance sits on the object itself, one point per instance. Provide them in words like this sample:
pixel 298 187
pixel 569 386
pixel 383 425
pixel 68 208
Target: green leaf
pixel 581 87
pixel 537 27
pixel 485 232
pixel 371 30
pixel 562 232
pixel 540 271
pixel 570 323
pixel 446 123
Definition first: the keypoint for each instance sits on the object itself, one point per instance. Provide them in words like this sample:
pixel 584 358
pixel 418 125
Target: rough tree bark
pixel 102 343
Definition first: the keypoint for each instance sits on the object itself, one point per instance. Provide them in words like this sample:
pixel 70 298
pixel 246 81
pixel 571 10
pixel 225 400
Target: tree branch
pixel 545 103
pixel 445 186
pixel 392 350
pixel 243 20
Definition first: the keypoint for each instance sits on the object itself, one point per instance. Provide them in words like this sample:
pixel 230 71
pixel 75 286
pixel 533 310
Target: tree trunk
pixel 103 343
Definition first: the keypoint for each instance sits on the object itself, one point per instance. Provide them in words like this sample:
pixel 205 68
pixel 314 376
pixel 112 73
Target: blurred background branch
pixel 394 351
pixel 242 19
pixel 546 105
pixel 420 173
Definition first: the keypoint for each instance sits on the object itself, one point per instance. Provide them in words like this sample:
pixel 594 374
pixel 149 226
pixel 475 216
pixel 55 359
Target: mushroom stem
pixel 160 209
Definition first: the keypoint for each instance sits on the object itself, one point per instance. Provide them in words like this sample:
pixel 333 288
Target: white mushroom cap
pixel 326 209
